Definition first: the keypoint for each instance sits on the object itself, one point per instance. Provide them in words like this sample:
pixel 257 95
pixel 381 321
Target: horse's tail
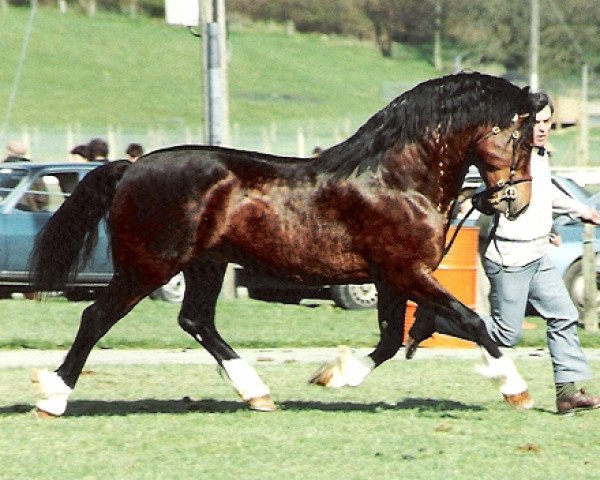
pixel 57 254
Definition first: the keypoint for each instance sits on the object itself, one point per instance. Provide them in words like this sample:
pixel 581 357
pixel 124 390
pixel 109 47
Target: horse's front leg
pixel 346 369
pixel 449 316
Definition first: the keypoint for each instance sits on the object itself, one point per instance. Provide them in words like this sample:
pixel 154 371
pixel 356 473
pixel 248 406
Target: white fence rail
pixel 54 145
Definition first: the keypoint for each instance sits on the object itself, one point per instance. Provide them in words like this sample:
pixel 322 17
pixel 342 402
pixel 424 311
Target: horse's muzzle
pixel 512 199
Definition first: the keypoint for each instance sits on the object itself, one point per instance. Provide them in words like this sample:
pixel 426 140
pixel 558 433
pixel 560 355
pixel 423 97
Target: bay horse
pixel 372 208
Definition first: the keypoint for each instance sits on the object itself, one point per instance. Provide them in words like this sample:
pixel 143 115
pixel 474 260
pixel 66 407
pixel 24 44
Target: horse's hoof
pixel 43 415
pixel 262 404
pixel 323 375
pixel 411 347
pixel 520 401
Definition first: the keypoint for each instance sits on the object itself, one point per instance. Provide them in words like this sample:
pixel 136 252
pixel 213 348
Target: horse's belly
pixel 303 251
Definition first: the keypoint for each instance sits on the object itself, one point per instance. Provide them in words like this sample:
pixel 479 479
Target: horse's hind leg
pixel 197 317
pixel 459 321
pixel 345 369
pixel 96 320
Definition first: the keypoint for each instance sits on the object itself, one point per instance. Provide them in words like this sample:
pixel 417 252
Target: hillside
pixel 111 69
pixel 140 80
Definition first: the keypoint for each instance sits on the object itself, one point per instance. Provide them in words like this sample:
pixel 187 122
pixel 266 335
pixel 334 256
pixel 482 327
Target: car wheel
pixel 173 291
pixel 275 295
pixel 574 282
pixel 355 296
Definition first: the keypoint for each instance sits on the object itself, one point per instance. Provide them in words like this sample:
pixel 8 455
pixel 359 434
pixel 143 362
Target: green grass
pixel 111 69
pixel 152 324
pixel 427 419
pixel 244 323
pixel 106 70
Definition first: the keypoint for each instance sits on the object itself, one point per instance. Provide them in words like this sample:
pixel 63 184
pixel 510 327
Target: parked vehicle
pixel 29 194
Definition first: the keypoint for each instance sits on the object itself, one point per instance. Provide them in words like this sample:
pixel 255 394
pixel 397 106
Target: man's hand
pixel 591 216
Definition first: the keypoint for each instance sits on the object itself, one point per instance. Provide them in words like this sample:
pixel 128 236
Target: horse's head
pixel 503 161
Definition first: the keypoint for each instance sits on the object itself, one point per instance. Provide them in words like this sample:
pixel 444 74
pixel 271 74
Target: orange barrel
pixel 458 274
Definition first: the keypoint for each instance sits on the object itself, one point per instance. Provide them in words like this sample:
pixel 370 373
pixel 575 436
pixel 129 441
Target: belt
pixel 517 240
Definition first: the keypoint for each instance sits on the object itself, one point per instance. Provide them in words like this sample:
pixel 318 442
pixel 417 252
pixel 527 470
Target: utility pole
pixel 210 15
pixel 216 104
pixel 534 45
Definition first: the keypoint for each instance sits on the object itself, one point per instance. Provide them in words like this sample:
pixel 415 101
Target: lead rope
pixel 458 227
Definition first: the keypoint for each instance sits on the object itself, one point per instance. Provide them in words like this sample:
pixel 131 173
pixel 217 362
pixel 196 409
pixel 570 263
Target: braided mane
pixel 443 105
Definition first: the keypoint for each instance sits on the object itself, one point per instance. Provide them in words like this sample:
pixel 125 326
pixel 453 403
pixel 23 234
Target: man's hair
pixel 134 150
pixel 98 148
pixel 82 151
pixel 541 100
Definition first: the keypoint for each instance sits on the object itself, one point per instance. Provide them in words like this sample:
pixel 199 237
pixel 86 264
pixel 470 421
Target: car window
pixel 9 179
pixel 47 192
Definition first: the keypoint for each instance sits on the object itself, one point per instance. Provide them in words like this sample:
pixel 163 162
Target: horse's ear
pixel 519 116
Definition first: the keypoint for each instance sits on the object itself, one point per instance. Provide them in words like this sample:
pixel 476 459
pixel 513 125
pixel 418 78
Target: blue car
pixel 567 257
pixel 29 194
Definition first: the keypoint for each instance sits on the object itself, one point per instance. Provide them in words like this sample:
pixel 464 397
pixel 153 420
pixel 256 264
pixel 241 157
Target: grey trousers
pixel 540 283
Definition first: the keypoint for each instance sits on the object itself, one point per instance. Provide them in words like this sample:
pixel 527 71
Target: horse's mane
pixel 441 106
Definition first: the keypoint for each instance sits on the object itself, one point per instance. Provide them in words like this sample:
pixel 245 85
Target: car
pixel 29 194
pixel 272 289
pixel 567 258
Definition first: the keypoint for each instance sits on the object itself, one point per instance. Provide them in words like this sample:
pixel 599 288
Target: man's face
pixel 541 129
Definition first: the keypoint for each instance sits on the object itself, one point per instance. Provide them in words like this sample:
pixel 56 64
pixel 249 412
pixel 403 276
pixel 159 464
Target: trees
pixel 483 32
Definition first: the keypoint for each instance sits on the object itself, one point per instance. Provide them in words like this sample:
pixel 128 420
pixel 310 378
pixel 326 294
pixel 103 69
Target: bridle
pixel 507 187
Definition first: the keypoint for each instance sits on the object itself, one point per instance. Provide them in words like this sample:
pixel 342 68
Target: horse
pixel 374 207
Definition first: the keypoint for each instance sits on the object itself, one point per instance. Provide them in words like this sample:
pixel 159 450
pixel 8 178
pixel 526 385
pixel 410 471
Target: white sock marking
pixel 53 390
pixel 245 379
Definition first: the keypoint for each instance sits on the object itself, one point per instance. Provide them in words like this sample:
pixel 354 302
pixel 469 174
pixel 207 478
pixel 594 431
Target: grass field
pixel 244 323
pixel 427 419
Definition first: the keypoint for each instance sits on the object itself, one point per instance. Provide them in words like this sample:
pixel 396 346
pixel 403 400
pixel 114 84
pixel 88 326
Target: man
pixel 519 271
pixel 134 151
pixel 16 152
pixel 98 150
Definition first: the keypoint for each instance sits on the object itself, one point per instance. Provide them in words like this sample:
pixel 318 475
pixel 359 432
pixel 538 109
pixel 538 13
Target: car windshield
pixel 9 180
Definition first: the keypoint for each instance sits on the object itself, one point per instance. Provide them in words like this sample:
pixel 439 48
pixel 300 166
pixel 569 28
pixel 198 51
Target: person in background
pixel 519 270
pixel 80 153
pixel 134 151
pixel 16 151
pixel 98 150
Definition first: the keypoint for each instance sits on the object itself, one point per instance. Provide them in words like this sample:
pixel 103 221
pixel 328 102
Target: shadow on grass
pixel 94 408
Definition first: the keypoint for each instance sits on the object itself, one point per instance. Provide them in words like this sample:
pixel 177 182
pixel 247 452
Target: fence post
pixel 70 138
pixel 590 290
pixel 301 143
